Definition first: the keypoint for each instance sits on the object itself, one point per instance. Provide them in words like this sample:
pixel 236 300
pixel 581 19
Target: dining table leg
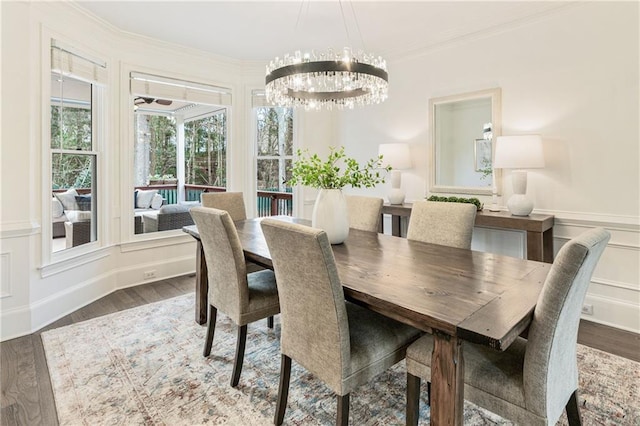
pixel 447 380
pixel 202 285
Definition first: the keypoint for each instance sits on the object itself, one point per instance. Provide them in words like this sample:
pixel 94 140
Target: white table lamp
pixel 398 156
pixel 519 152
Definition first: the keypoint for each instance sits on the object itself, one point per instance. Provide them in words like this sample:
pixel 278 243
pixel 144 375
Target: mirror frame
pixel 496 122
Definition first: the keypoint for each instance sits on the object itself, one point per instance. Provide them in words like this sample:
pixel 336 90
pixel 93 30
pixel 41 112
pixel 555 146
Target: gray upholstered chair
pixel 341 343
pixel 364 212
pixel 232 202
pixel 444 223
pixel 535 378
pixel 245 298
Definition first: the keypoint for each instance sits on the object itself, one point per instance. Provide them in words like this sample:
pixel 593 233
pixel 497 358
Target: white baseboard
pixel 614 313
pixel 25 320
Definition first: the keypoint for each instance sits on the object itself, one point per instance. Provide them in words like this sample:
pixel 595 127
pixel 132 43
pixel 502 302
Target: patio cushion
pixel 144 198
pixel 68 199
pixel 84 202
pixel 57 210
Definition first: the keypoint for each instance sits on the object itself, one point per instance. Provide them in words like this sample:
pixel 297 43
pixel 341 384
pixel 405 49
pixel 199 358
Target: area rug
pixel 144 366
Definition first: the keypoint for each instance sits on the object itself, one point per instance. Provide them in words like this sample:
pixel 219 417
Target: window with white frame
pixel 274 157
pixel 180 148
pixel 77 82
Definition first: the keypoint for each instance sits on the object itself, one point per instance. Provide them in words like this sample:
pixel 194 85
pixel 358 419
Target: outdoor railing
pixel 272 203
pixel 192 192
pixel 269 203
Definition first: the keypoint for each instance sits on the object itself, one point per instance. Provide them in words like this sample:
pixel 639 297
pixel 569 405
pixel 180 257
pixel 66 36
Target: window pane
pixel 206 151
pixel 70 113
pixel 155 148
pixel 74 211
pixel 272 175
pixel 275 131
pixel 72 171
pixel 268 175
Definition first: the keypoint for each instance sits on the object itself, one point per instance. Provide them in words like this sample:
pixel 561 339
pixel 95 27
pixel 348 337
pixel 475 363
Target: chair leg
pixel 270 322
pixel 283 390
pixel 342 417
pixel 237 364
pixel 413 399
pixel 573 410
pixel 211 328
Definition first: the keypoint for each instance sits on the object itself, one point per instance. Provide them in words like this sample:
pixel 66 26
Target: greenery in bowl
pixel 336 172
pixel 475 201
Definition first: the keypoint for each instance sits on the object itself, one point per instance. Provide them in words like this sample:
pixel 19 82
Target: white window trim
pixel 256 100
pixel 99 133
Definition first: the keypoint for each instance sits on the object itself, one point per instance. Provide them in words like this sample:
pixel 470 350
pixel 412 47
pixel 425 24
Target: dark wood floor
pixel 27 397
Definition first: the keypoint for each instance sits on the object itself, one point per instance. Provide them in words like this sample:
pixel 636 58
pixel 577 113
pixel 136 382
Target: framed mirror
pixel 464 128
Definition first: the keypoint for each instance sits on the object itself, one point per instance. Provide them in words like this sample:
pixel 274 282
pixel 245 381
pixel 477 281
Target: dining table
pixel 455 294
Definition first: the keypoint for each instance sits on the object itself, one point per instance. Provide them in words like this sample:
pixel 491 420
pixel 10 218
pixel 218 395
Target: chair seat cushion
pixel 377 343
pixel 491 371
pixel 263 296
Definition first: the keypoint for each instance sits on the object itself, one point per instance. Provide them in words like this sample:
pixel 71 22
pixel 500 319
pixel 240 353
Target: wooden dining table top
pixel 476 296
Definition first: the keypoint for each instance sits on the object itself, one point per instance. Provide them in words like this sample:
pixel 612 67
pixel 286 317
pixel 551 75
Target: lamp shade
pixel 519 152
pixel 396 155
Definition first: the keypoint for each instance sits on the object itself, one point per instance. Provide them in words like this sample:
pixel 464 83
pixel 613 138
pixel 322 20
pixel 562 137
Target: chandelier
pixel 316 80
pixel 328 79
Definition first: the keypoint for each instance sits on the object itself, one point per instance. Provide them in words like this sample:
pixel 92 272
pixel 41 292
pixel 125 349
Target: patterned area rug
pixel 144 366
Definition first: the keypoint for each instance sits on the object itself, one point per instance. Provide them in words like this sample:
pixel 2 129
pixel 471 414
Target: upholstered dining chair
pixel 245 298
pixel 364 212
pixel 343 344
pixel 444 223
pixel 535 378
pixel 232 202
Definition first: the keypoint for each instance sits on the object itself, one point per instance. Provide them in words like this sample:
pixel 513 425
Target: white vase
pixel 330 214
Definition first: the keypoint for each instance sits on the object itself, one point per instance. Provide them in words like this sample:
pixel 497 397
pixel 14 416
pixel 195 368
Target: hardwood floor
pixel 27 397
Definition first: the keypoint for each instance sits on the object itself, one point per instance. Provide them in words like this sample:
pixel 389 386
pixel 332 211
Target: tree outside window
pixel 274 148
pixel 155 148
pixel 206 150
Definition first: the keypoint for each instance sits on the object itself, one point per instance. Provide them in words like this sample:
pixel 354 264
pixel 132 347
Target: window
pixel 155 148
pixel 74 153
pixel 180 148
pixel 274 156
pixel 206 150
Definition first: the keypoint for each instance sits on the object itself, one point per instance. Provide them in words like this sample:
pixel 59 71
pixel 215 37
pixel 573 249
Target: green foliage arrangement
pixel 336 172
pixel 475 201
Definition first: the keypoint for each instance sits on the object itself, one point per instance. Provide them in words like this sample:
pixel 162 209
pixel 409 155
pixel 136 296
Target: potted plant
pixel 330 176
pixel 155 179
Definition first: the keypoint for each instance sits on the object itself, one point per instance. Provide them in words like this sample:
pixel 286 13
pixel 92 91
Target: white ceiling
pixel 262 30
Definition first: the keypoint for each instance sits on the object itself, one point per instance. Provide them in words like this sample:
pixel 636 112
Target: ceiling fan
pixel 144 100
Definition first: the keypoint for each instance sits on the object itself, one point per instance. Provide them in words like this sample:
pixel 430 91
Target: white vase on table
pixel 330 214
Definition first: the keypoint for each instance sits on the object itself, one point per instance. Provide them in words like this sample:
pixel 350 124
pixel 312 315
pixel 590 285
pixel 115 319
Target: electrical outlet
pixel 587 309
pixel 149 274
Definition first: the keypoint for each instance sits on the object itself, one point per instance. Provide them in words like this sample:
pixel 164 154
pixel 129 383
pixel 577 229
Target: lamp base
pixel 396 196
pixel 520 205
pixel 494 207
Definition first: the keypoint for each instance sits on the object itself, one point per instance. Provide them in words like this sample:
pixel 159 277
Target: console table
pixel 539 227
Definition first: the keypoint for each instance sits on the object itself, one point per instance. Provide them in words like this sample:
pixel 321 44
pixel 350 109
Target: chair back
pixel 315 329
pixel 232 202
pixel 364 212
pixel 444 223
pixel 227 273
pixel 550 365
